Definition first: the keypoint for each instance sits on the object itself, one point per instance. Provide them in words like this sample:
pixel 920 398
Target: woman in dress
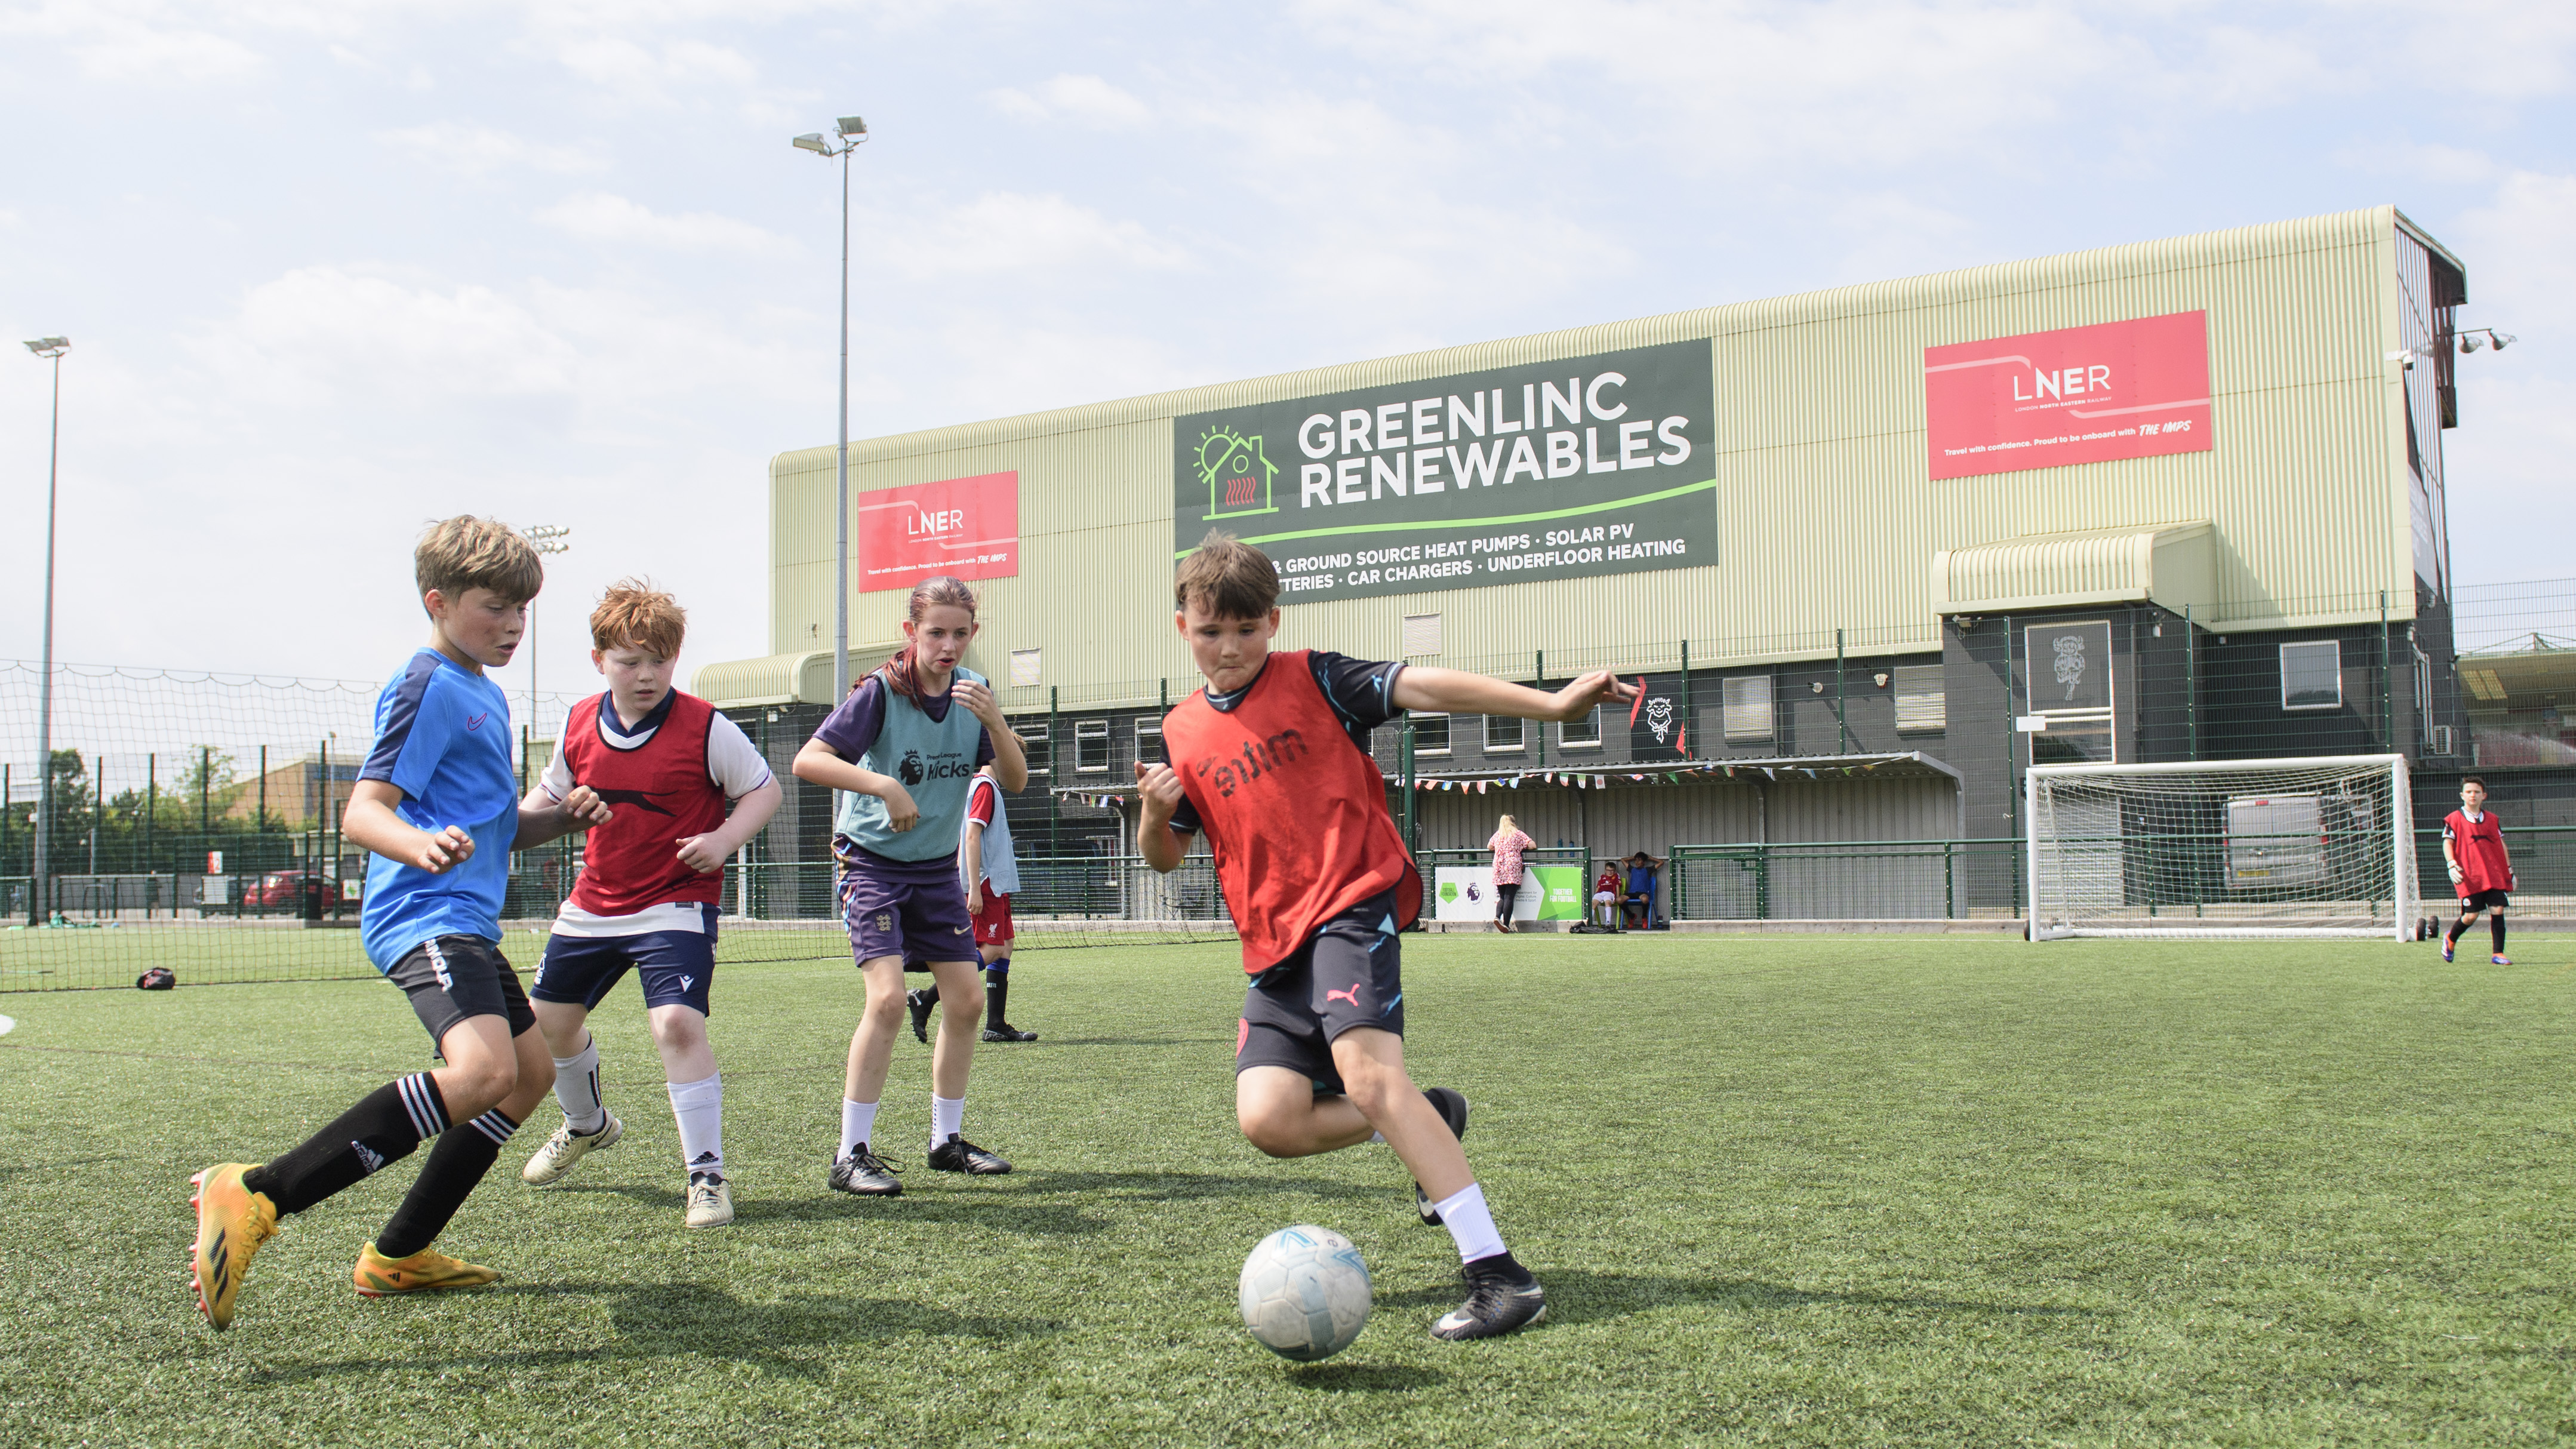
pixel 1507 845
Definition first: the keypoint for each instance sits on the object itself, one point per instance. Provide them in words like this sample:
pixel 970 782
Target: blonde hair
pixel 1232 578
pixel 466 552
pixel 1508 824
pixel 634 614
pixel 929 594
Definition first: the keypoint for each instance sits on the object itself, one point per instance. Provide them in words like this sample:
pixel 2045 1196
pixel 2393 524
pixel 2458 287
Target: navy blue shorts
pixel 676 966
pixel 919 915
pixel 1348 974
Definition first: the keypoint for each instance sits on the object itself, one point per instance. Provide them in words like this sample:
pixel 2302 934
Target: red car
pixel 286 887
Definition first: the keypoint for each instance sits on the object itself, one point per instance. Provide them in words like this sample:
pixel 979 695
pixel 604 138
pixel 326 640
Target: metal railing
pixel 1876 880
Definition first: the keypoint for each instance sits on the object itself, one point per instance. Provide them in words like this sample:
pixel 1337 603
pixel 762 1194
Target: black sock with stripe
pixel 384 1127
pixel 455 1165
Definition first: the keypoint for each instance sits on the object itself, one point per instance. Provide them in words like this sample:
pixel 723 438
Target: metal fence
pixel 1870 880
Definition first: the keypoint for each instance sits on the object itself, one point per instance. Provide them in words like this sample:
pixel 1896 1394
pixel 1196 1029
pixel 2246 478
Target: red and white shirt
pixel 2477 843
pixel 667 777
pixel 1507 856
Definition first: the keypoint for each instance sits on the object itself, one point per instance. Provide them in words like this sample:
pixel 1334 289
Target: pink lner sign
pixel 968 528
pixel 2134 389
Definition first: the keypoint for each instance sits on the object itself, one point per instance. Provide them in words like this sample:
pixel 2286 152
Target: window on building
pixel 1580 734
pixel 1421 634
pixel 1921 705
pixel 1027 666
pixel 1034 744
pixel 1090 746
pixel 2312 675
pixel 1149 741
pixel 1745 701
pixel 1504 733
pixel 1430 734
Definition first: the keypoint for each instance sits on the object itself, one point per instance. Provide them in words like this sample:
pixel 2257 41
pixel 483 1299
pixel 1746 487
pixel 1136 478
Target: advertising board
pixel 1549 893
pixel 1570 468
pixel 968 528
pixel 2134 389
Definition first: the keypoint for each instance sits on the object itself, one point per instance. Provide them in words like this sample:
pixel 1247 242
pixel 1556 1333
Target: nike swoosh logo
pixel 475 721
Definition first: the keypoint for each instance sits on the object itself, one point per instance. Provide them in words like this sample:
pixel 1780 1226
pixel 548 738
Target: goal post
pixel 2313 847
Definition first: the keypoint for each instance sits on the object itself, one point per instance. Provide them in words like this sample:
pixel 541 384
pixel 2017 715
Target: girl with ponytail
pixel 903 749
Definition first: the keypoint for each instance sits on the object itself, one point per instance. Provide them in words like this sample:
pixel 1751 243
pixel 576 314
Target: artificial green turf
pixel 1815 1190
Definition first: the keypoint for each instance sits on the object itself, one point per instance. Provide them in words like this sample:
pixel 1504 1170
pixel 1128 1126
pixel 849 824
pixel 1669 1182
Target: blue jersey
pixel 443 739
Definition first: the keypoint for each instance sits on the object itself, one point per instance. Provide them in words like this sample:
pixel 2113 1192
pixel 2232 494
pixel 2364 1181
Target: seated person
pixel 1605 896
pixel 1639 901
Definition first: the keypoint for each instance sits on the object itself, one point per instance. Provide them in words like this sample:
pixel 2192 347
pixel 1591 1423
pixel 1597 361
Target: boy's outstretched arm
pixel 1159 791
pixel 1455 691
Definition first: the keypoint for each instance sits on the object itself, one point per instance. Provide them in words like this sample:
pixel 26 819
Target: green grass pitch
pixel 1792 1190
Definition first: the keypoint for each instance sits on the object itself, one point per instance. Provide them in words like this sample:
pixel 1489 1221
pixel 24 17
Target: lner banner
pixel 1570 468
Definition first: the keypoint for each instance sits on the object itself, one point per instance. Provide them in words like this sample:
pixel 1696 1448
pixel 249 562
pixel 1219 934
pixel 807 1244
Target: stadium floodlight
pixel 547 540
pixel 51 349
pixel 852 131
pixel 2313 847
pixel 2470 341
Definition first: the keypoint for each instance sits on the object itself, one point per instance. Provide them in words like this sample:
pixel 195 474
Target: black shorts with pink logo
pixel 1348 974
pixel 909 908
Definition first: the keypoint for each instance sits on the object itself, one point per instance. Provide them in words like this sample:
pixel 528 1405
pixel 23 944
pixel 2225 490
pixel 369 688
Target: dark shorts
pixel 453 977
pixel 918 916
pixel 1348 974
pixel 993 923
pixel 2484 900
pixel 676 967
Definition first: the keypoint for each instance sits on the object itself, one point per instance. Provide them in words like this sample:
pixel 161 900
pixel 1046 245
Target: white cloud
pixel 600 217
pixel 640 72
pixel 2421 161
pixel 1002 232
pixel 1082 99
pixel 478 151
pixel 134 41
pixel 322 333
pixel 2508 462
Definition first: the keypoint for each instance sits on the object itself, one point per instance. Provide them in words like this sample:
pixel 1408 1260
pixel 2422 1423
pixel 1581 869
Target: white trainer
pixel 559 1154
pixel 710 1200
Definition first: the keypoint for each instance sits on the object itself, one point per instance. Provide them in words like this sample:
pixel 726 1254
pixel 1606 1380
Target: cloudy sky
pixel 333 267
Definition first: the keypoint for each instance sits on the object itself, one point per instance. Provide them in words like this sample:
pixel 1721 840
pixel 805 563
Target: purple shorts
pixel 912 909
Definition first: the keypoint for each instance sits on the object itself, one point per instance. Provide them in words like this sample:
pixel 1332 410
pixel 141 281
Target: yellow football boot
pixel 426 1271
pixel 232 1223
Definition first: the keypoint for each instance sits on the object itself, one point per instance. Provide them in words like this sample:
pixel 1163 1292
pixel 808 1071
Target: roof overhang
pixel 800 678
pixel 1625 775
pixel 2171 564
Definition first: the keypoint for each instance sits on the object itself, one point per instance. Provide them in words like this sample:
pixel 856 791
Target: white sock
pixel 858 1119
pixel 947 1117
pixel 577 1089
pixel 699 1109
pixel 1468 1221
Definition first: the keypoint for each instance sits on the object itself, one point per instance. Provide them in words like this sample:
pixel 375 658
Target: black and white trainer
pixel 1007 1032
pixel 862 1172
pixel 1451 1104
pixel 1501 1296
pixel 959 1155
pixel 919 1004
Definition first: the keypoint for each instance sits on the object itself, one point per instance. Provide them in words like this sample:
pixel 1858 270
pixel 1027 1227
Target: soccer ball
pixel 1305 1293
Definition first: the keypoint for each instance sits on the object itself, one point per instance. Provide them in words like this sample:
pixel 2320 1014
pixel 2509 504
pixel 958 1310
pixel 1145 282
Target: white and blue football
pixel 1305 1293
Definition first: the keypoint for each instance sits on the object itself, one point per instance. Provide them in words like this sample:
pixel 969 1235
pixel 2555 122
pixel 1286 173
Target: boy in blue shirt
pixel 437 804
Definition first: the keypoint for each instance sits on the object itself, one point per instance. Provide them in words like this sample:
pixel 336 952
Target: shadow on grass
pixel 1023 1203
pixel 1130 1041
pixel 672 1320
pixel 1353 1378
pixel 1576 1295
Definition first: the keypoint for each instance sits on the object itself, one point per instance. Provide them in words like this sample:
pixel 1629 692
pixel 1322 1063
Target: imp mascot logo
pixel 1238 474
pixel 2070 661
pixel 1659 718
pixel 911 771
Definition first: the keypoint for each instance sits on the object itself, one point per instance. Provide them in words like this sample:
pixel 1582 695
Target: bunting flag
pixel 1682 743
pixel 1600 782
pixel 1770 774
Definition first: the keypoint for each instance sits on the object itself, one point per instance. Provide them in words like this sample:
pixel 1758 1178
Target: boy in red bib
pixel 2473 848
pixel 1271 762
pixel 669 769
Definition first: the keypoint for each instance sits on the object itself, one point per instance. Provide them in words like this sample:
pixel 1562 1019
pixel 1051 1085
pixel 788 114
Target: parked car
pixel 283 888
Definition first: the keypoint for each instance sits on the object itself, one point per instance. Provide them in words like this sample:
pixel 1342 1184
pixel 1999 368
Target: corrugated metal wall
pixel 1656 818
pixel 1826 515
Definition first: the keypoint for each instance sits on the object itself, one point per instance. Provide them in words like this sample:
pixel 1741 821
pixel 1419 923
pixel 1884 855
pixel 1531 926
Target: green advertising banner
pixel 1563 886
pixel 1571 468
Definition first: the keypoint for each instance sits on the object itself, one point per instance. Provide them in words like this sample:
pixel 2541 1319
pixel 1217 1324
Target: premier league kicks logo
pixel 1237 473
pixel 910 771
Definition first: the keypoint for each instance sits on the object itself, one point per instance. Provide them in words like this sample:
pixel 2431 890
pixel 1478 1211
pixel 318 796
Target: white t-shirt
pixel 733 763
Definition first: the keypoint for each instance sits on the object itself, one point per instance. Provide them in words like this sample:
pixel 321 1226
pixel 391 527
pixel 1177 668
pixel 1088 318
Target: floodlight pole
pixel 52 350
pixel 546 539
pixel 852 131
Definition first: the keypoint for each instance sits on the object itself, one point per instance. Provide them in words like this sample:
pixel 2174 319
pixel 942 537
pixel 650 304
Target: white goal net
pixel 2306 847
